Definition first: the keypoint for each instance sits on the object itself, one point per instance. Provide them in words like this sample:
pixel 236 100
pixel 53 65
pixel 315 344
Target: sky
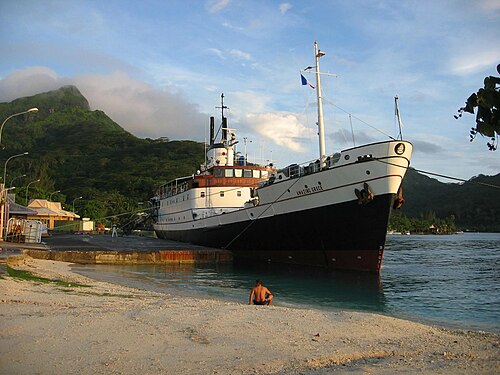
pixel 158 69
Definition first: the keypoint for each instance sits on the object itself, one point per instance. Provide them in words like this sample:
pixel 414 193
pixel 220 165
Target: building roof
pixel 44 207
pixel 17 209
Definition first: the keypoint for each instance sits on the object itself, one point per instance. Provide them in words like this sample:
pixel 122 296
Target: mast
pixel 321 128
pixel 398 115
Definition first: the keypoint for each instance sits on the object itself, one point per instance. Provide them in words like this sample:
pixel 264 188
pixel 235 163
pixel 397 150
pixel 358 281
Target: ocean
pixel 448 280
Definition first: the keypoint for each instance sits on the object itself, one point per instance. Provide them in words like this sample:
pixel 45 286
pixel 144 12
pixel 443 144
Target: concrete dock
pixel 104 249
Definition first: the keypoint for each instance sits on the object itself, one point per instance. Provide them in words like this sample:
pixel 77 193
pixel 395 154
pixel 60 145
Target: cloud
pixel 240 54
pixel 215 6
pixel 345 138
pixel 475 61
pixel 138 107
pixel 285 7
pixel 28 82
pixel 426 148
pixel 217 52
pixel 284 129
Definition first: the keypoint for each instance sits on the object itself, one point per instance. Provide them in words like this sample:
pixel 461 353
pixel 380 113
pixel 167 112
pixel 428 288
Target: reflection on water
pixel 451 280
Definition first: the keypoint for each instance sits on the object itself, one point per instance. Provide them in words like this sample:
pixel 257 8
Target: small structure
pixel 49 212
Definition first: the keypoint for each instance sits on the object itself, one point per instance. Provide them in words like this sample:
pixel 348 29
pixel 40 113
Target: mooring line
pixel 441 175
pixel 262 213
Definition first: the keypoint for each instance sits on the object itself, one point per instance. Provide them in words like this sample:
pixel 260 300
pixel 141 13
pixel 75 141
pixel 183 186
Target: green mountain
pixel 83 153
pixel 473 205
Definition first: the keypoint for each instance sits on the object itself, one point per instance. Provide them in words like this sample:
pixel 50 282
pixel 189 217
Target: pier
pixel 104 249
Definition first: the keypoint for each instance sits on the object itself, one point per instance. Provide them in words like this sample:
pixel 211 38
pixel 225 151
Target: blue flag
pixel 305 81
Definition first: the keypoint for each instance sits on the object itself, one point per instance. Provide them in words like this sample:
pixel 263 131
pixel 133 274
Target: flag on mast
pixel 305 81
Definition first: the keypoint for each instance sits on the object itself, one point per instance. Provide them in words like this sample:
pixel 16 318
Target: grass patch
pixel 25 275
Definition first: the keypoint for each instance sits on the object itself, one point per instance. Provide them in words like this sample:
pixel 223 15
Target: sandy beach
pixel 101 328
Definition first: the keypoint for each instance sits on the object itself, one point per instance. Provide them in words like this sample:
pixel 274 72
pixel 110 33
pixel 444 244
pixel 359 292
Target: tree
pixel 487 102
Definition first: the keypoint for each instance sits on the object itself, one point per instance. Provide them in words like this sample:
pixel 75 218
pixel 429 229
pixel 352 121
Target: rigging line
pixel 262 213
pixel 357 118
pixel 441 175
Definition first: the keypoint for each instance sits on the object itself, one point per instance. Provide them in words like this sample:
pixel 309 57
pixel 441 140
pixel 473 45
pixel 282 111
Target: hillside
pixel 85 154
pixel 472 204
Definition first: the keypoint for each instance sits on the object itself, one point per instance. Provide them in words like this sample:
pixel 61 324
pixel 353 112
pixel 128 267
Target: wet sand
pixel 48 328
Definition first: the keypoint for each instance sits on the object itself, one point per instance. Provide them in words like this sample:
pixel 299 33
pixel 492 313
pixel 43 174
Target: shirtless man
pixel 260 295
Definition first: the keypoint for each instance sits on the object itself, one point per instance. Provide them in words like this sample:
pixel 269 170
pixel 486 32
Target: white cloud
pixel 284 129
pixel 285 7
pixel 136 106
pixel 217 52
pixel 240 54
pixel 475 61
pixel 215 6
pixel 28 82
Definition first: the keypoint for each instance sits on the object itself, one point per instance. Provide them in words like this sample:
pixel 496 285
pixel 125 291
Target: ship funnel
pixel 212 130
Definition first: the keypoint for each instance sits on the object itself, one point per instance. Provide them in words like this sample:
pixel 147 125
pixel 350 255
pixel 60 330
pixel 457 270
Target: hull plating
pixel 344 235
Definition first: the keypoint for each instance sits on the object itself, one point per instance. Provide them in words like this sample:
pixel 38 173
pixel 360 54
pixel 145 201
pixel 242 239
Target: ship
pixel 332 212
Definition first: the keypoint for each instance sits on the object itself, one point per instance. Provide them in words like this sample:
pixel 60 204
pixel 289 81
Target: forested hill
pixel 474 205
pixel 83 153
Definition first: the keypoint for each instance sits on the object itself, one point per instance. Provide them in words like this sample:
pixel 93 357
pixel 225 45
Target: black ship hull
pixel 346 235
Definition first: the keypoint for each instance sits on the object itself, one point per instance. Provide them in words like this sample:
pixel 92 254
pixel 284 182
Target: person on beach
pixel 260 295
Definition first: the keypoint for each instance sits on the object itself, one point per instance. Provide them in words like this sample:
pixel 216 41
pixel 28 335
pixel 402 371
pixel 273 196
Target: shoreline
pixel 437 322
pixel 109 328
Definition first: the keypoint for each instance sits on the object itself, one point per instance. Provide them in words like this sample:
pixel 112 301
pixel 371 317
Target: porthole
pixel 399 148
pixel 346 157
pixel 367 172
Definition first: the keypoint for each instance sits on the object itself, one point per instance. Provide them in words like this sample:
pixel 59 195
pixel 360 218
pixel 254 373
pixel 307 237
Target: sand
pixel 109 329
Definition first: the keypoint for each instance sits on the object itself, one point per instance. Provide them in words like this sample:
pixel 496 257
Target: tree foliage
pixel 85 154
pixel 487 103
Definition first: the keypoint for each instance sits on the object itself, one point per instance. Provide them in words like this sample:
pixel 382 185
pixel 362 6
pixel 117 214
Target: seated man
pixel 260 295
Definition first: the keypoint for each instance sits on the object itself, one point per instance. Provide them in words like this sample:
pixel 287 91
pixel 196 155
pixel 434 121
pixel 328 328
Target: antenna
pixel 222 106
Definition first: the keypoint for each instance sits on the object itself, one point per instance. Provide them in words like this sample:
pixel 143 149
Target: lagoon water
pixel 450 280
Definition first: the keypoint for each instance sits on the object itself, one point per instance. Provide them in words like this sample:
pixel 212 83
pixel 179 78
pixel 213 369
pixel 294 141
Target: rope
pixel 442 175
pixel 262 213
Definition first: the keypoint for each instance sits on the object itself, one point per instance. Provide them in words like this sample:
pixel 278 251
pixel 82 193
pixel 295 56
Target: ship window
pixel 238 193
pixel 238 172
pixel 221 193
pixel 256 174
pixel 247 173
pixel 218 172
pixel 264 174
pixel 203 194
pixel 228 172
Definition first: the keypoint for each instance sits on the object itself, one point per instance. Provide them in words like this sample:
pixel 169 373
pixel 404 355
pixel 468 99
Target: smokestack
pixel 212 130
pixel 224 129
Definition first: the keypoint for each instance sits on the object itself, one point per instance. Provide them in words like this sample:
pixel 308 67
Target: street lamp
pixel 74 203
pixel 5 167
pixel 27 188
pixel 15 178
pixel 51 194
pixel 34 110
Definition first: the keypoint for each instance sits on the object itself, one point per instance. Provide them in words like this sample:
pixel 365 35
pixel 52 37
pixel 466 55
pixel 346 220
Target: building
pixel 49 212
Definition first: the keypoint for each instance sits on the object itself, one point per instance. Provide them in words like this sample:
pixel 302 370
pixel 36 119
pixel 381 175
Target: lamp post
pixel 74 203
pixel 51 194
pixel 4 190
pixel 15 178
pixel 31 110
pixel 5 167
pixel 27 188
pixel 5 213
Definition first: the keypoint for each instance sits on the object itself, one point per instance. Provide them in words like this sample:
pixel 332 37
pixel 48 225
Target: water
pixel 446 280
